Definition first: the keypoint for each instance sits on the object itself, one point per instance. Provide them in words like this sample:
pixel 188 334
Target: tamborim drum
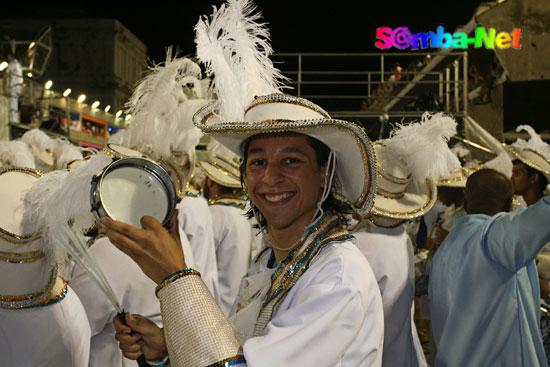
pixel 132 187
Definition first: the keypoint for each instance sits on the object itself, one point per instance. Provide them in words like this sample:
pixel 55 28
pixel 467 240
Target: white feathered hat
pixel 408 163
pixel 235 49
pixel 534 152
pixel 28 268
pixel 51 153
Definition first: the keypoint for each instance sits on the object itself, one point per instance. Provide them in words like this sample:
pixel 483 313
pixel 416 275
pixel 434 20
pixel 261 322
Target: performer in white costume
pixel 406 163
pixel 310 298
pixel 42 321
pixel 232 231
pixel 15 84
pixel 132 287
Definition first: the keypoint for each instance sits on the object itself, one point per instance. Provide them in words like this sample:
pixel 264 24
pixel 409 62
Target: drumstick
pixel 77 248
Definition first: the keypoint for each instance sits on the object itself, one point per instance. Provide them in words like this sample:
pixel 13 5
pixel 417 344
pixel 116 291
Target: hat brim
pixel 354 153
pixel 533 159
pixel 415 202
pixel 219 176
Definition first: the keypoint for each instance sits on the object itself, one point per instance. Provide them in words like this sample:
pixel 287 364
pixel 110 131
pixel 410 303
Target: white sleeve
pixel 196 221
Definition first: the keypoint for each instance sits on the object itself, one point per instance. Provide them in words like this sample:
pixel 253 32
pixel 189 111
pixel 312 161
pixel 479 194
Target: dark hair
pixel 543 181
pixel 322 153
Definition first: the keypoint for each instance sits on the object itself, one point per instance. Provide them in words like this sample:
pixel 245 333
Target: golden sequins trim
pixel 288 99
pixel 175 277
pixel 31 299
pixel 19 258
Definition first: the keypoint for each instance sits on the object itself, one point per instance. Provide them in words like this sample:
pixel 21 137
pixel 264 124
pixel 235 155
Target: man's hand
pixel 141 336
pixel 157 251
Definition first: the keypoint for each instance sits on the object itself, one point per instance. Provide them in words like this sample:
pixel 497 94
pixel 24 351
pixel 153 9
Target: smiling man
pixel 310 297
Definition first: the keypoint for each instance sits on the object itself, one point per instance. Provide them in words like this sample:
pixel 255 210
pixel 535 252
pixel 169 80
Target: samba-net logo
pixel 402 38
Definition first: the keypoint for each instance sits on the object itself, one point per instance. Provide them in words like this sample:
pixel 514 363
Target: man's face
pixel 284 179
pixel 520 178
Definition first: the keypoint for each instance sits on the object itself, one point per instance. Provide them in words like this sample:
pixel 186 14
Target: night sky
pixel 296 26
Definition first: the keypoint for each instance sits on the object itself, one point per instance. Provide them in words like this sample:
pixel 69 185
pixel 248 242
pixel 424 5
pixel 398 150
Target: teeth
pixel 278 197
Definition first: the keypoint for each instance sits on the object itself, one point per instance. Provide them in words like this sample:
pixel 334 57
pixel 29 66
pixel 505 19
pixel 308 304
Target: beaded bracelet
pixel 164 363
pixel 173 277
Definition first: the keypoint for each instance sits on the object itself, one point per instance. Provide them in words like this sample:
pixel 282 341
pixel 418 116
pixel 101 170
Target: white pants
pixel 13 104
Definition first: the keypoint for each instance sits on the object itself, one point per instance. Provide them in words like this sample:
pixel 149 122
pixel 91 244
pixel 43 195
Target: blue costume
pixel 484 290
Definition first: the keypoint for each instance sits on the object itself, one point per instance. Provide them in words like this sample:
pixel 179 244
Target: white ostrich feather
pixel 424 146
pixel 159 107
pixel 16 154
pixel 235 48
pixel 535 142
pixel 60 197
pixel 39 139
pixel 501 163
pixel 65 152
pixel 460 150
pixel 119 138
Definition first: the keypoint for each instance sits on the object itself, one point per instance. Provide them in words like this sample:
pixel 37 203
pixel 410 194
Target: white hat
pixel 223 166
pixel 29 274
pixel 51 153
pixel 407 164
pixel 284 113
pixel 235 49
pixel 535 153
pixel 16 154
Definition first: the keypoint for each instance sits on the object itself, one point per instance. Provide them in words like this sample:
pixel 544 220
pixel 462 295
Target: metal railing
pixel 367 85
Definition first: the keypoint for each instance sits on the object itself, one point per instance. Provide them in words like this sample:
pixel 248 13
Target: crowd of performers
pixel 294 240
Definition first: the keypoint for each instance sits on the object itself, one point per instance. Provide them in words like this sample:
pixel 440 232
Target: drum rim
pixel 144 163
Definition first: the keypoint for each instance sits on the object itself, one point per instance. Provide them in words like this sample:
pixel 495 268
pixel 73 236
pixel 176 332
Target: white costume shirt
pixel 135 293
pixel 331 317
pixel 232 237
pixel 390 254
pixel 54 335
pixel 196 221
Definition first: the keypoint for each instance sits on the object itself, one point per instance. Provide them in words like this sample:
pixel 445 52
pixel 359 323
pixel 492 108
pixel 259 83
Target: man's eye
pixel 291 160
pixel 257 162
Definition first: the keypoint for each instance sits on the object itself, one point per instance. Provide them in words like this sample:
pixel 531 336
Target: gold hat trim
pixel 528 161
pixel 399 215
pixel 288 99
pixel 39 298
pixel 388 194
pixel 218 179
pixel 176 173
pixel 19 258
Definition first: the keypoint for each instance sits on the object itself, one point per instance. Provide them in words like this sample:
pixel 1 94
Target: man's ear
pixel 534 178
pixel 323 174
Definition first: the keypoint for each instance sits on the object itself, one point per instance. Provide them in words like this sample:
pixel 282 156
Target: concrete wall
pixel 532 61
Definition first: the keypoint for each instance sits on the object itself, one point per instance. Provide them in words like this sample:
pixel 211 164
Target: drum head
pixel 130 188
